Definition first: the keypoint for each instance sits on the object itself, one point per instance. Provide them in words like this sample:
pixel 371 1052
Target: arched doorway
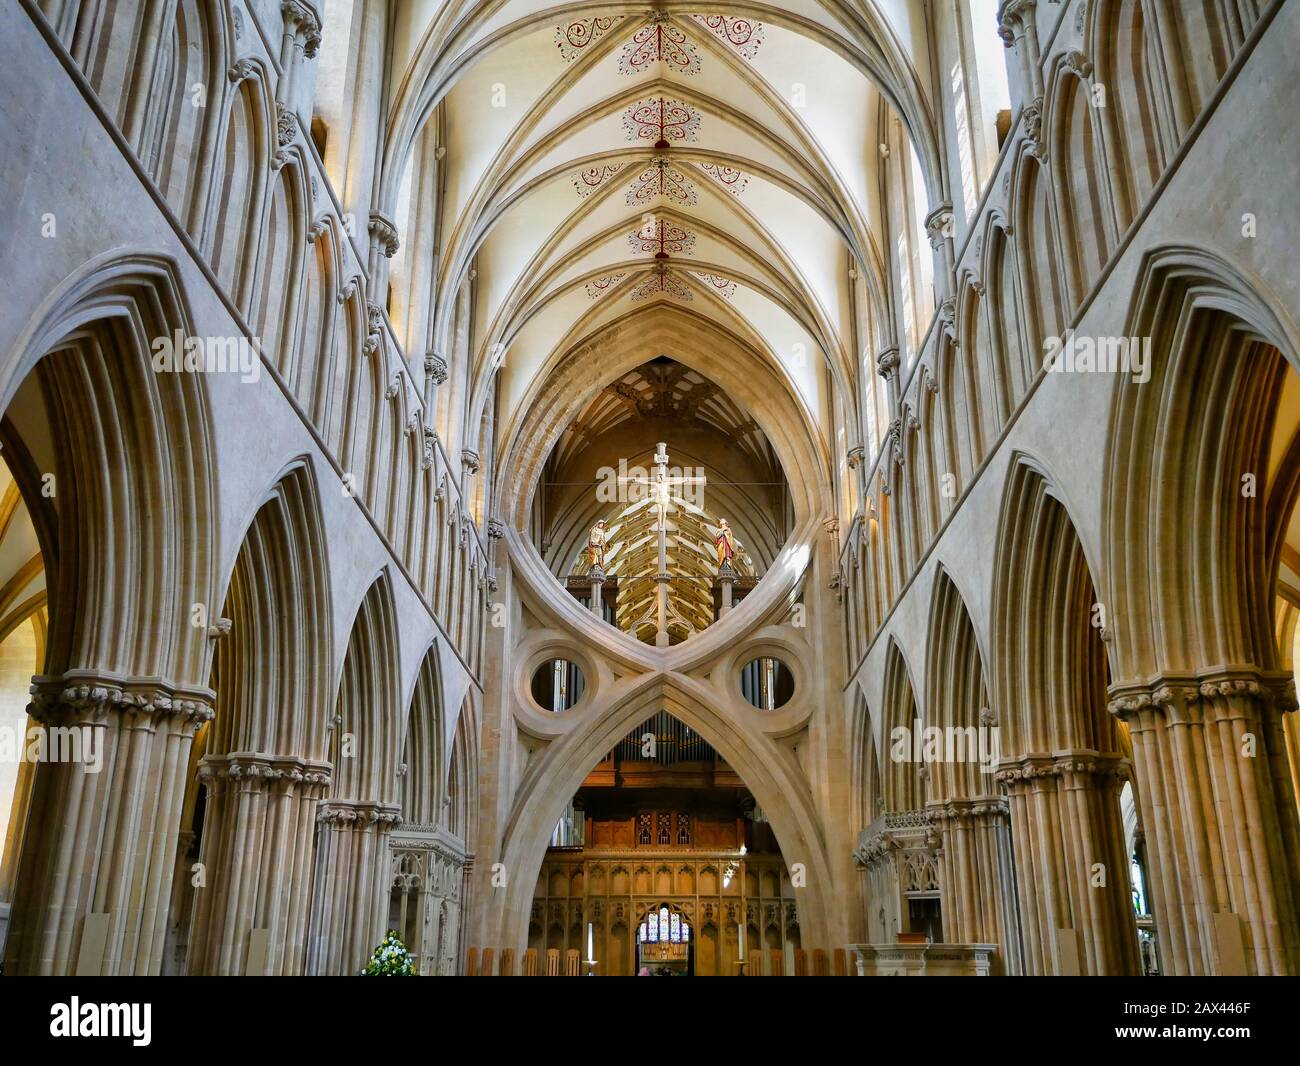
pixel 664 945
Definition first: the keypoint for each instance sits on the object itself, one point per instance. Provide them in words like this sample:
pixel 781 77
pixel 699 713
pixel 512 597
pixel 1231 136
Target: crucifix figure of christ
pixel 660 488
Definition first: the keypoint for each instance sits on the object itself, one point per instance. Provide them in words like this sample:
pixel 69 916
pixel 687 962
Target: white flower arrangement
pixel 390 959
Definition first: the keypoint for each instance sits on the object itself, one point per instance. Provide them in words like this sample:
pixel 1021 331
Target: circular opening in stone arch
pixel 767 683
pixel 557 684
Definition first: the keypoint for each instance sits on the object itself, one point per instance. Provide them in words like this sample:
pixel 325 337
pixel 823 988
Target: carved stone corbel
pixel 435 368
pixel 384 231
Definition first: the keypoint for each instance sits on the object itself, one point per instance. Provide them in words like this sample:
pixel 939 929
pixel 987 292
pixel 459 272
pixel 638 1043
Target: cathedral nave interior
pixel 514 489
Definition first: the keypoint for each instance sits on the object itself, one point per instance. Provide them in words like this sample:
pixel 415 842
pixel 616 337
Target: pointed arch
pixel 1062 763
pixel 264 768
pixel 128 555
pixel 368 705
pixel 904 788
pixel 422 791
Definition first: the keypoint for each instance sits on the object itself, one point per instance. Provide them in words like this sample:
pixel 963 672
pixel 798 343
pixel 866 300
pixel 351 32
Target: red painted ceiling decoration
pixel 661 179
pixel 589 180
pixel 659 42
pixel 599 286
pixel 664 238
pixel 716 283
pixel 662 280
pixel 728 177
pixel 574 37
pixel 744 36
pixel 661 120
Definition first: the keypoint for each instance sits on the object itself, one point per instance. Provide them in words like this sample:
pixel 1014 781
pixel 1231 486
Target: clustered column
pixel 976 872
pixel 1219 812
pixel 92 895
pixel 351 884
pixel 1071 872
pixel 258 835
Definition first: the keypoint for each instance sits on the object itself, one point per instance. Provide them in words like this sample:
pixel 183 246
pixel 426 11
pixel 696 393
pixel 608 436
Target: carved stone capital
pixel 87 699
pixel 256 767
pixel 359 814
pixel 374 329
pixel 1078 63
pixel 939 224
pixel 496 529
pixel 384 231
pixel 303 23
pixel 470 460
pixel 1032 117
pixel 887 362
pixel 435 368
pixel 286 125
pixel 1015 17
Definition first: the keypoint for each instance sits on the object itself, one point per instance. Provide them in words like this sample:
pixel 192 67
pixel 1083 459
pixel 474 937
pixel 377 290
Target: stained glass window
pixel 664 925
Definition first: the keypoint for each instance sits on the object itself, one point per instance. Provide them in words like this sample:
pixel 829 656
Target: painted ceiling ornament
pixel 659 41
pixel 592 178
pixel 742 34
pixel 662 280
pixel 661 120
pixel 599 286
pixel 724 287
pixel 663 237
pixel 661 179
pixel 729 177
pixel 572 38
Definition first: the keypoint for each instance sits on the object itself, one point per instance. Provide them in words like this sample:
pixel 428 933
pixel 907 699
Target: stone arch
pixel 956 396
pixel 864 766
pixel 462 781
pixel 1081 176
pixel 975 861
pixel 352 859
pixel 178 141
pixel 1204 319
pixel 1062 764
pixel 424 747
pixel 751 380
pixel 1011 350
pixel 904 786
pixel 368 701
pixel 264 767
pixel 957 688
pixel 126 453
pixel 1039 250
pixel 238 195
pixel 277 302
pixel 1192 553
pixel 551 780
pixel 1134 123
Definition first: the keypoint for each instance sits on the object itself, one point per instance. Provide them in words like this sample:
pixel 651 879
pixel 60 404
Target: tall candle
pixel 742 941
pixel 591 952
